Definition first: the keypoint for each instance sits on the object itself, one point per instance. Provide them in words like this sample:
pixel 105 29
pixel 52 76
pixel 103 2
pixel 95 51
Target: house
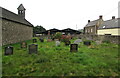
pixel 15 28
pixel 110 27
pixel 70 31
pixel 50 31
pixel 64 31
pixel 92 26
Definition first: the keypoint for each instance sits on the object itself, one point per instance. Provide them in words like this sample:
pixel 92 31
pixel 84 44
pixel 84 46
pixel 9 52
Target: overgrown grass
pixel 100 60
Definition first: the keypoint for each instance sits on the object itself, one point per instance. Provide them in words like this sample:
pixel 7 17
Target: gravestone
pixel 77 41
pixel 33 48
pixel 98 42
pixel 67 43
pixel 88 43
pixel 41 40
pixel 34 40
pixel 23 45
pixel 8 50
pixel 73 47
pixel 57 43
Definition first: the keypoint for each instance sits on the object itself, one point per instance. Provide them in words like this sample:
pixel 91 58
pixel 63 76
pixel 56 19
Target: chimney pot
pixel 88 21
pixel 113 17
pixel 100 17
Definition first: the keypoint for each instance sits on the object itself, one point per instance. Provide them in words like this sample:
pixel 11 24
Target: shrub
pixel 106 41
pixel 58 35
pixel 65 38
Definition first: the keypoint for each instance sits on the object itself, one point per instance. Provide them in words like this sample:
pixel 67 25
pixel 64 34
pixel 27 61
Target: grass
pixel 100 60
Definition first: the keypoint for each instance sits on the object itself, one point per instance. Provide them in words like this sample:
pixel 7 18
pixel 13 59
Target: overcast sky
pixel 63 14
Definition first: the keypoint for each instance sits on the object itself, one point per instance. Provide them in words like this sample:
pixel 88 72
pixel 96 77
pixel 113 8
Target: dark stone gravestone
pixel 33 48
pixel 73 47
pixel 67 43
pixel 41 40
pixel 8 50
pixel 34 40
pixel 88 43
pixel 23 45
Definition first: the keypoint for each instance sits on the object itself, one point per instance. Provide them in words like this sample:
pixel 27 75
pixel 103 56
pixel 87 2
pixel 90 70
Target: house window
pixel 91 30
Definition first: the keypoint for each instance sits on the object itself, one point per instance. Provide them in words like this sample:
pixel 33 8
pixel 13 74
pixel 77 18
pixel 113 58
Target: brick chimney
pixel 100 17
pixel 113 17
pixel 88 21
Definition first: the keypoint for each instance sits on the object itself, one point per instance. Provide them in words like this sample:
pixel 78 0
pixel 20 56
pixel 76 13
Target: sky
pixel 62 14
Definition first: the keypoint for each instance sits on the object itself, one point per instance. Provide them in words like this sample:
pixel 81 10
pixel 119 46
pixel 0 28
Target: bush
pixel 65 38
pixel 58 35
pixel 105 41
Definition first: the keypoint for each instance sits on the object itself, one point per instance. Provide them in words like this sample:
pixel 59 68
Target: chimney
pixel 113 17
pixel 88 21
pixel 100 17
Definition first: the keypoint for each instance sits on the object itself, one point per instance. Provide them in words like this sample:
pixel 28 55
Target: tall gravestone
pixel 8 50
pixel 33 48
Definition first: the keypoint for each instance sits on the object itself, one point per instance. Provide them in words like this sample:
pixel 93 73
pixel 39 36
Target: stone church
pixel 14 27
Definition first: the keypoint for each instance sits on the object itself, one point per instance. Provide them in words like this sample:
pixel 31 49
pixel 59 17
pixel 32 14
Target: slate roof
pixel 92 23
pixel 113 23
pixel 6 14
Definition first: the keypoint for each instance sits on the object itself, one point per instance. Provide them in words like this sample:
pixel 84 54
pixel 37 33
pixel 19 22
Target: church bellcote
pixel 21 11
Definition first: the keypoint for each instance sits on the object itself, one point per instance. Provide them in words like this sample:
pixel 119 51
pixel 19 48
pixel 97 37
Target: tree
pixel 38 29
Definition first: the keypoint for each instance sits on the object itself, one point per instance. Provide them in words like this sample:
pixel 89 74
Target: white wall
pixel 115 31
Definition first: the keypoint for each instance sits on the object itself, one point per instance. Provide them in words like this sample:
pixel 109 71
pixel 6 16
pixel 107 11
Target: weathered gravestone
pixel 41 40
pixel 8 50
pixel 33 48
pixel 67 43
pixel 57 43
pixel 23 45
pixel 73 47
pixel 98 42
pixel 88 43
pixel 77 41
pixel 34 40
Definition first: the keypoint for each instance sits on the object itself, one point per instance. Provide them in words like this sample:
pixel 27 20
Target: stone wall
pixel 13 32
pixel 111 38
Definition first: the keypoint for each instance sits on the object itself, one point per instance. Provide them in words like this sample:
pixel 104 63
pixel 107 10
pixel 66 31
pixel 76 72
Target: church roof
pixel 6 14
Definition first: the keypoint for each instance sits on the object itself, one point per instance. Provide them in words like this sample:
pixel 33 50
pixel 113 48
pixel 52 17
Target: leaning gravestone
pixel 23 45
pixel 88 43
pixel 33 48
pixel 8 50
pixel 34 40
pixel 57 43
pixel 73 47
pixel 77 41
